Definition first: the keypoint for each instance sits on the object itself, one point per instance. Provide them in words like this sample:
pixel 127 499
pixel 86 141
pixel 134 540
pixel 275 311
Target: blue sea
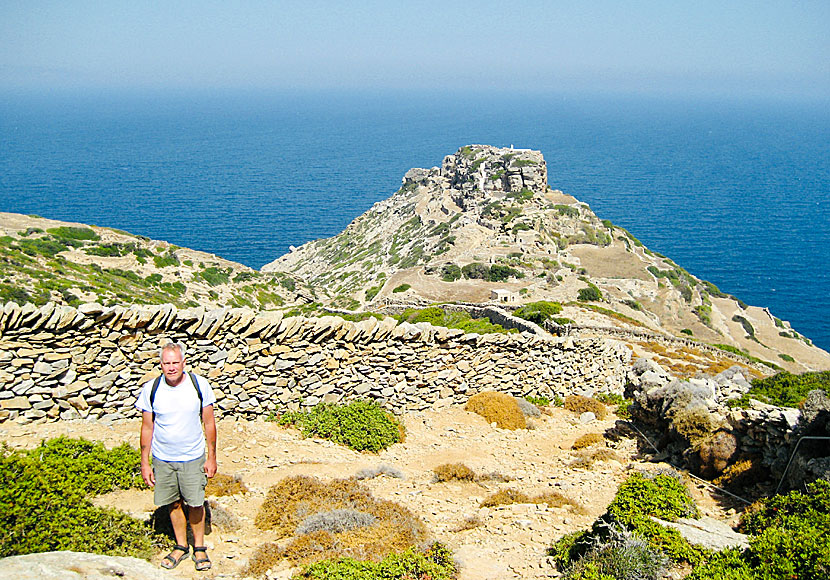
pixel 735 192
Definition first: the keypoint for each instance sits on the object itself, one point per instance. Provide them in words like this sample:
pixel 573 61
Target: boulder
pixel 68 565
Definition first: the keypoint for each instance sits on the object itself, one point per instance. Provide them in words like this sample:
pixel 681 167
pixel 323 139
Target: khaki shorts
pixel 184 480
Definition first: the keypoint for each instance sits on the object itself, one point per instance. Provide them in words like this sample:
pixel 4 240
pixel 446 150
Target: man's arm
pixel 209 420
pixel 146 441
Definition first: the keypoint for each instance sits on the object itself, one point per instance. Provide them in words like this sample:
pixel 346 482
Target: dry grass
pixel 588 440
pixel 586 458
pixel 694 424
pixel 580 404
pixel 454 471
pixel 498 408
pixel 505 497
pixel 741 473
pixel 221 485
pixel 468 523
pixel 293 500
pixel 550 498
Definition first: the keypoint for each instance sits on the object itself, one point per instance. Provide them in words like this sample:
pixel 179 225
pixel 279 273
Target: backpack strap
pixel 153 394
pixel 192 380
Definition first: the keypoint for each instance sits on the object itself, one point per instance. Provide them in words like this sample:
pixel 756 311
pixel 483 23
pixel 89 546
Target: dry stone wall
pixel 58 362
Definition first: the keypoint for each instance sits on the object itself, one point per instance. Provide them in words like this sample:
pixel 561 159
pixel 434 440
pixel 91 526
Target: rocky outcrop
pixel 67 565
pixel 63 363
pixel 695 426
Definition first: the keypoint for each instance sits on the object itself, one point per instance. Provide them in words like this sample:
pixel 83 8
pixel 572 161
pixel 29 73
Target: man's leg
pixel 166 492
pixel 179 521
pixel 196 515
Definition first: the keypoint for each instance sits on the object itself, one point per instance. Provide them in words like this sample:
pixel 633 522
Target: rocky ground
pixel 489 543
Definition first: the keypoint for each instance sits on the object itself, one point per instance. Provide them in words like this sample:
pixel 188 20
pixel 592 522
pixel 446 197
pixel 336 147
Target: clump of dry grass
pixel 221 485
pixel 511 496
pixel 454 471
pixel 505 497
pixel 468 523
pixel 586 458
pixel 264 558
pixel 498 408
pixel 326 511
pixel 580 404
pixel 741 473
pixel 694 424
pixel 222 518
pixel 587 440
pixel 383 469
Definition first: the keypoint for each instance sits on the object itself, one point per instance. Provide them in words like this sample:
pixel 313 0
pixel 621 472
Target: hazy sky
pixel 723 47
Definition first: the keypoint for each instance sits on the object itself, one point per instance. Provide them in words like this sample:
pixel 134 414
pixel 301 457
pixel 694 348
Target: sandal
pixel 202 563
pixel 170 561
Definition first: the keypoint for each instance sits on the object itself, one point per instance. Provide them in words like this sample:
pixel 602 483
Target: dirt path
pixel 507 541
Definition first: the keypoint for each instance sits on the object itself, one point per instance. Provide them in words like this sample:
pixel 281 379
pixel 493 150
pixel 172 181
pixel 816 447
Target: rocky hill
pixel 43 260
pixel 486 226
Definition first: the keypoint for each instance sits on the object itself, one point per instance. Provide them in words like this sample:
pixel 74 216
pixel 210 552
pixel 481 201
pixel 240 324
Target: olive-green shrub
pixel 361 425
pixel 45 506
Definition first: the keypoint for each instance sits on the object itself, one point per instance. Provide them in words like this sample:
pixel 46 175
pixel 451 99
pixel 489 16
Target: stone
pixel 65 565
pixel 15 403
pixel 587 417
pixel 708 533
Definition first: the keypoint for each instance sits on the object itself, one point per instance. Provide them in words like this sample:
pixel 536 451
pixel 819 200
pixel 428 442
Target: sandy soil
pixel 508 542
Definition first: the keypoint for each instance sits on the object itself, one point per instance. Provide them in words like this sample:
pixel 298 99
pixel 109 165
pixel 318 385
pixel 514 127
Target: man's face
pixel 172 365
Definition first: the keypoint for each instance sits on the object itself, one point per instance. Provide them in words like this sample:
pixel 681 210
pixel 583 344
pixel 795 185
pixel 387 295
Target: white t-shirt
pixel 177 432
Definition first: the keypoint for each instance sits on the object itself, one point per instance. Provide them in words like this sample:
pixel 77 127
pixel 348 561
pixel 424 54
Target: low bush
pixel 639 499
pixel 383 469
pixel 528 409
pixel 581 404
pixel 320 520
pixel 586 458
pixel 74 233
pixel 401 288
pixel 498 408
pixel 620 556
pixel 790 538
pixel 45 506
pixel 587 440
pixel 453 472
pixel 788 390
pixel 222 485
pixel 436 563
pixel 539 312
pixel 511 496
pixel 360 425
pixel 589 294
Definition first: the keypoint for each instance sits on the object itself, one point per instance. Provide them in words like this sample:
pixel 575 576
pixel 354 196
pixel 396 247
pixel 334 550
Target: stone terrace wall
pixel 58 362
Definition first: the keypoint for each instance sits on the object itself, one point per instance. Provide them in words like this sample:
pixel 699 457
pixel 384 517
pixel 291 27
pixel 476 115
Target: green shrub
pixel 215 276
pixel 450 273
pixel 790 538
pixel 641 497
pixel 621 556
pixel 436 563
pixel 401 288
pixel 73 233
pixel 44 505
pixel 461 320
pixel 373 291
pixel 540 311
pixel 589 294
pixel 168 259
pixel 361 425
pixel 476 271
pixel 788 390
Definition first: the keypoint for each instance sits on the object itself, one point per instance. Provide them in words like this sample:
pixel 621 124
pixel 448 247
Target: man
pixel 171 429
